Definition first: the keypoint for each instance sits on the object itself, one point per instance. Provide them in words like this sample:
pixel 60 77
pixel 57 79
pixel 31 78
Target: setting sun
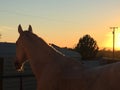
pixel 109 39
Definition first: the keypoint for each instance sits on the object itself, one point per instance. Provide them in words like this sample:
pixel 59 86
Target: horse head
pixel 21 55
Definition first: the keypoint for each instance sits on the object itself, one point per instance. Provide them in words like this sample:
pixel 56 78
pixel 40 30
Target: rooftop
pixel 7 49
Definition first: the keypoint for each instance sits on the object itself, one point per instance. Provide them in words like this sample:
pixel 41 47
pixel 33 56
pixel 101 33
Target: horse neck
pixel 38 50
pixel 40 54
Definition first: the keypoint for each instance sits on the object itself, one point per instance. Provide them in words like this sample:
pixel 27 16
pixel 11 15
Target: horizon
pixel 62 22
pixel 100 48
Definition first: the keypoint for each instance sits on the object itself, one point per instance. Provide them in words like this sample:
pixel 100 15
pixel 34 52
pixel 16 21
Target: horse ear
pixel 20 29
pixel 30 28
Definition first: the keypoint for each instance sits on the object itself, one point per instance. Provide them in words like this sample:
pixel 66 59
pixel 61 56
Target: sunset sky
pixel 62 22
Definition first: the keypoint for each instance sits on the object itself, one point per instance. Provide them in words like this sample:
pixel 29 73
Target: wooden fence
pixel 10 79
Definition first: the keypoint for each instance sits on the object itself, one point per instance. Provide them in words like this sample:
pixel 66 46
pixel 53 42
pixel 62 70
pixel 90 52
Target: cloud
pixel 6 28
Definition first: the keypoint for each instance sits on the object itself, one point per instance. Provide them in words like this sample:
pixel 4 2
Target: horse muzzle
pixel 18 66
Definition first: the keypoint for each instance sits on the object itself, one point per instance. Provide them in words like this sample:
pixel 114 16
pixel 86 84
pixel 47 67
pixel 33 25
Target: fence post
pixel 21 82
pixel 1 73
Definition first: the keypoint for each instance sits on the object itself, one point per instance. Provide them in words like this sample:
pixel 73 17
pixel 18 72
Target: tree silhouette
pixel 87 47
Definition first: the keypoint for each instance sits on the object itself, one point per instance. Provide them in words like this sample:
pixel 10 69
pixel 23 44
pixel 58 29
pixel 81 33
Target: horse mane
pixel 34 38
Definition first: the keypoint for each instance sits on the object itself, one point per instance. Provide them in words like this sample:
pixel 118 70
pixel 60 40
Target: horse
pixel 55 71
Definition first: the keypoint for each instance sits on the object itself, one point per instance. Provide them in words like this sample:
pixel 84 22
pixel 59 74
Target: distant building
pixel 67 52
pixel 7 49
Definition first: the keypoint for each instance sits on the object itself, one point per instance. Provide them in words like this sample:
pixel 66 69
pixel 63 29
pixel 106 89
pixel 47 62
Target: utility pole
pixel 113 40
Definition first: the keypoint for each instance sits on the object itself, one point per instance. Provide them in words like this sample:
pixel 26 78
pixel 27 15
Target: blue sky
pixel 61 22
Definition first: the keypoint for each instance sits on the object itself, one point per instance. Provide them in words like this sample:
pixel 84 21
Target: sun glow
pixel 109 40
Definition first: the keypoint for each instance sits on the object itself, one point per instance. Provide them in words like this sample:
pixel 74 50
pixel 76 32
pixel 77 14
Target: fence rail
pixel 20 79
pixel 12 80
pixel 16 76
